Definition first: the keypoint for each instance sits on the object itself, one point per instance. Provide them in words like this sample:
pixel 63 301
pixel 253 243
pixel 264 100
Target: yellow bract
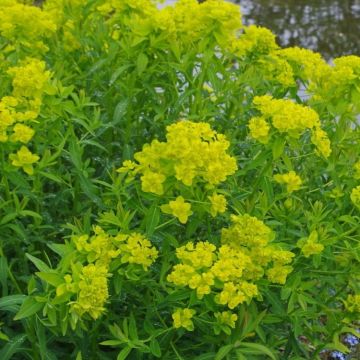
pixel 292 181
pixel 289 118
pixel 25 159
pixel 179 208
pixel 182 318
pixel 243 258
pixel 259 129
pixel 355 196
pixel 218 204
pixel 99 251
pixel 192 153
pixel 311 246
pixel 352 303
pixel 226 318
pixel 93 291
pixel 25 25
pixel 29 81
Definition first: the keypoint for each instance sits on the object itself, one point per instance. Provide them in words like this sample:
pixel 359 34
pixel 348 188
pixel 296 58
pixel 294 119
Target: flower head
pixel 24 158
pixel 182 318
pixel 179 208
pixel 292 181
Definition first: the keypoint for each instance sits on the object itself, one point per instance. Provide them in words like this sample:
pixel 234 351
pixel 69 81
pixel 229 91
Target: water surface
pixel 331 27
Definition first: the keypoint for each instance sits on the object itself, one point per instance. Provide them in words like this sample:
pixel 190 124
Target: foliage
pixel 173 185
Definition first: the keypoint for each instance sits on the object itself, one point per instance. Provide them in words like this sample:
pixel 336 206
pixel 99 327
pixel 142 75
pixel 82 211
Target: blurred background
pixel 331 27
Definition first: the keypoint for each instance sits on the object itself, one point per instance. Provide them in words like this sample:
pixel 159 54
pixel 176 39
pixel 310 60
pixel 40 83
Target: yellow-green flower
pixel 22 133
pixel 192 152
pixel 259 129
pixel 179 208
pixel 357 170
pixel 93 291
pixel 136 249
pixel 226 318
pixel 278 273
pixel 292 181
pixel 24 158
pixel 202 283
pixel 218 204
pixel 355 196
pixel 182 318
pixel 152 182
pixel 352 303
pixel 320 139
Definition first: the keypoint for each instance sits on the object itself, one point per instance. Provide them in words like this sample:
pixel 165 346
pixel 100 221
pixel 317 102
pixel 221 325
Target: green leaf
pixel 132 328
pixel 4 275
pixel 29 307
pixel 152 219
pixel 207 356
pixel 33 214
pixel 117 73
pixel 155 348
pixel 223 351
pixel 111 342
pixel 8 217
pixel 278 147
pixel 51 176
pixel 123 354
pixel 141 63
pixel 38 263
pixel 51 278
pixel 119 112
pixel 252 348
pixel 12 302
pixel 12 347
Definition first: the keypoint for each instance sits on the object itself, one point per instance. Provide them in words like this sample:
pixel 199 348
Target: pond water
pixel 331 27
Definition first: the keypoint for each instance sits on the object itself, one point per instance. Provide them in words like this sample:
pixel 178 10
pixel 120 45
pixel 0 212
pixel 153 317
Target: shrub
pixel 174 185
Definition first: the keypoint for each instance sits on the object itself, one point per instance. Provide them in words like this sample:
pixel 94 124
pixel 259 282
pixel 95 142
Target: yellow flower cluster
pixel 338 82
pixel 226 318
pixel 183 26
pixel 311 246
pixel 29 82
pixel 292 181
pixel 218 204
pixel 246 231
pixel 100 247
pixel 182 318
pixel 103 247
pixel 93 291
pixel 306 64
pixel 25 159
pixel 192 153
pixel 259 129
pixel 255 40
pixel 25 25
pixel 320 139
pixel 228 272
pixel 179 208
pixel 29 79
pixel 136 249
pixel 352 303
pixel 357 170
pixel 355 196
pixel 288 117
pixel 276 70
pixel 99 250
pixel 253 238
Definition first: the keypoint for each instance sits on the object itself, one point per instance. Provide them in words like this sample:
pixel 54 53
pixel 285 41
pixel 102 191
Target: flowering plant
pixel 165 190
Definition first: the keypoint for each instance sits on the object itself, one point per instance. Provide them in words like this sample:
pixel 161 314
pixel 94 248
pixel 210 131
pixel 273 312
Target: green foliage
pixel 126 233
